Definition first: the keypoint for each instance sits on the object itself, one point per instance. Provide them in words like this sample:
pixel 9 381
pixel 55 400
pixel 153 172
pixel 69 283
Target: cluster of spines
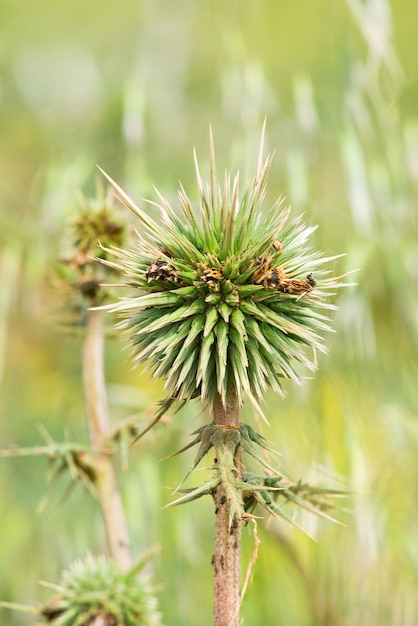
pixel 229 301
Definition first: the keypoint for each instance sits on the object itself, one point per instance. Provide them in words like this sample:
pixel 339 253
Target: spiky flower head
pixel 95 227
pixel 95 592
pixel 230 297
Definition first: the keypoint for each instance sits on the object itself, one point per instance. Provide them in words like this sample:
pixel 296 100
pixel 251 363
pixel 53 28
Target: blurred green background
pixel 132 86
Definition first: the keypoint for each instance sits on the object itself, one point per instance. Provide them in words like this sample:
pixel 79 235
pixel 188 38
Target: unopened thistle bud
pixel 96 592
pixel 95 227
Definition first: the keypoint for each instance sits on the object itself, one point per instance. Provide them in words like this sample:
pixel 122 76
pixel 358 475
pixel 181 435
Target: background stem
pixel 99 427
pixel 226 559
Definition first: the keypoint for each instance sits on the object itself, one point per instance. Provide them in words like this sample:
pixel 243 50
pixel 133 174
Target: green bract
pixel 231 293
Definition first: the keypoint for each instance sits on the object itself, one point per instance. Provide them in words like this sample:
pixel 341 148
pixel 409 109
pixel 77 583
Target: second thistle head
pixel 78 277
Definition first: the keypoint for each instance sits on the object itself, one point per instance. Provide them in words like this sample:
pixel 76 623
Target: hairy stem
pixel 226 559
pixel 99 427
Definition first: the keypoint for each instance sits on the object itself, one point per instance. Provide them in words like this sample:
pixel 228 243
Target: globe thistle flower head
pixel 96 591
pixel 96 222
pixel 93 229
pixel 231 297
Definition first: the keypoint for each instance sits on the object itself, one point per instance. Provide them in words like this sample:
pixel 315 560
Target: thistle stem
pixel 99 427
pixel 226 559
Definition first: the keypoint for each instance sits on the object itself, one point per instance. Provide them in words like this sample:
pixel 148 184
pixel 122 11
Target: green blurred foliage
pixel 132 86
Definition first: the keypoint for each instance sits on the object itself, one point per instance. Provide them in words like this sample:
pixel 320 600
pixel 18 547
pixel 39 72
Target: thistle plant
pixel 231 300
pixel 96 591
pixel 97 222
